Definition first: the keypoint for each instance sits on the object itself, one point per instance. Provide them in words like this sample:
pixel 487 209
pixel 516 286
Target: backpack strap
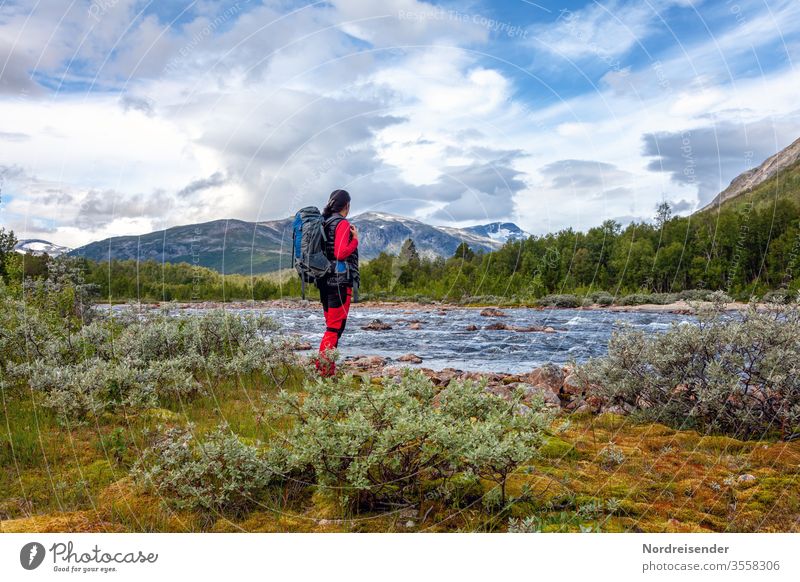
pixel 337 218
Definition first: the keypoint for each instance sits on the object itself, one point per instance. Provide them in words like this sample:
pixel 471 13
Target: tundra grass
pixel 595 473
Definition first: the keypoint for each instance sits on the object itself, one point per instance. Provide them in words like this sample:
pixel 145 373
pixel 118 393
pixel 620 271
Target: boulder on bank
pixel 532 392
pixel 573 385
pixel 299 345
pixel 527 329
pixel 445 376
pixel 548 375
pixel 534 328
pixel 411 358
pixel 371 363
pixel 492 312
pixel 376 325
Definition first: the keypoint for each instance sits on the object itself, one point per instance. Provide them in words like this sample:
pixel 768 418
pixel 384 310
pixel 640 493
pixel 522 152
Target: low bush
pixel 602 298
pixel 649 298
pixel 133 360
pixel 566 301
pixel 734 374
pixel 375 446
pixel 779 296
pixel 218 474
pixel 694 295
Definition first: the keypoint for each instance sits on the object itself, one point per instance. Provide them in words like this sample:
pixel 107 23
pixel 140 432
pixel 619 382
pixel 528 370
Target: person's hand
pixel 354 232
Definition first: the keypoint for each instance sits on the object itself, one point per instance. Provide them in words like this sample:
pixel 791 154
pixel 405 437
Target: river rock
pixel 376 325
pixel 595 402
pixel 548 375
pixel 584 408
pixel 444 377
pixel 471 327
pixel 391 371
pixel 368 362
pixel 573 385
pixel 524 329
pixel 415 325
pixel 532 392
pixel 492 312
pixel 522 410
pixel 533 328
pixel 617 409
pixel 412 358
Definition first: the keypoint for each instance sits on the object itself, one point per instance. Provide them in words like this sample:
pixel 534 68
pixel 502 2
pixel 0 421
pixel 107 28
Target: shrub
pixel 375 446
pixel 220 474
pixel 779 296
pixel 212 333
pixel 602 298
pixel 567 301
pixel 611 455
pixel 649 298
pixel 694 295
pixel 72 391
pixel 739 375
pixel 132 361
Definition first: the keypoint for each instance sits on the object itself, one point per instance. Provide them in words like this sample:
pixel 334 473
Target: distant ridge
pixel 751 179
pixel 238 246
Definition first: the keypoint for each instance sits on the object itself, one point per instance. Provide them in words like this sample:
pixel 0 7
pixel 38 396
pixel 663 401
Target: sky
pixel 121 117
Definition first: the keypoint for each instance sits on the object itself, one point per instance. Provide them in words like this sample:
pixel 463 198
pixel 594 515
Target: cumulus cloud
pixel 214 180
pixel 601 30
pixel 709 157
pixel 129 115
pixel 134 103
pixel 101 207
pixel 478 191
pixel 585 175
pixel 14 136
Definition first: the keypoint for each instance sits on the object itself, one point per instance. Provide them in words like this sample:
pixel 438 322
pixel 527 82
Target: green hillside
pixel 783 186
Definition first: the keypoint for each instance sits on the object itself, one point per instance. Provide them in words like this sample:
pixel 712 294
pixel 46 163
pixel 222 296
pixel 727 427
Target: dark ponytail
pixel 338 200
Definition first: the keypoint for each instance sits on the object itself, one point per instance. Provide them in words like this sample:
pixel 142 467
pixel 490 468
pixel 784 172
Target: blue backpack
pixel 308 246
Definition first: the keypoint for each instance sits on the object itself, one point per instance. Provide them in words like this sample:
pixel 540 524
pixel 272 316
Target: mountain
pixel 237 246
pixel 499 231
pixel 228 246
pixel 777 176
pixel 379 231
pixel 37 246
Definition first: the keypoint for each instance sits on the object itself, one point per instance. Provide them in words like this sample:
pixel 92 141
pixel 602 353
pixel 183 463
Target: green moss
pixel 325 504
pixel 609 421
pixel 722 444
pixel 98 474
pixel 555 448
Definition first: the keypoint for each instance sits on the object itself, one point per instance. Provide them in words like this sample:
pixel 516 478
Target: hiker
pixel 336 289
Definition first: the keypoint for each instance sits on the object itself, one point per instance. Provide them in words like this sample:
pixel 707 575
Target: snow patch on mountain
pixel 37 246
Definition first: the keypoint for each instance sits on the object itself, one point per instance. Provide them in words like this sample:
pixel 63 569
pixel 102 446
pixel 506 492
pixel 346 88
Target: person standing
pixel 336 289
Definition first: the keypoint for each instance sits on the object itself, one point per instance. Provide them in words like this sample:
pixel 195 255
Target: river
pixel 443 340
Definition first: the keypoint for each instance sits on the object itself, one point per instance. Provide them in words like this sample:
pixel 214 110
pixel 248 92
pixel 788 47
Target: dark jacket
pixel 344 273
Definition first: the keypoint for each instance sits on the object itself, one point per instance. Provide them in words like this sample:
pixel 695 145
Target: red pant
pixel 336 305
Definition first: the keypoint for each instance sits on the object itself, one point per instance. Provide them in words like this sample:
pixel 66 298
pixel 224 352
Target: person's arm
pixel 343 244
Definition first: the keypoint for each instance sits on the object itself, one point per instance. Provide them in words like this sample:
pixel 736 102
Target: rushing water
pixel 443 340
